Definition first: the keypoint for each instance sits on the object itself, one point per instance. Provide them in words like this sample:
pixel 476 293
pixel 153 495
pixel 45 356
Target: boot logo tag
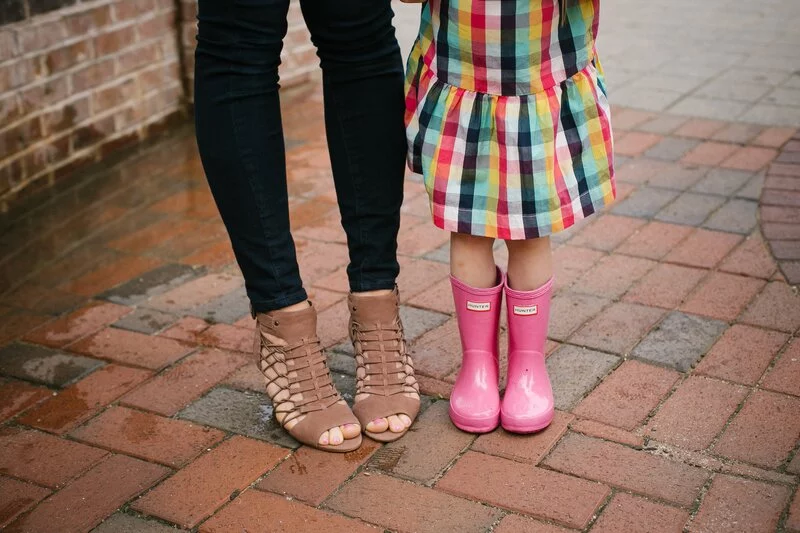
pixel 479 306
pixel 526 310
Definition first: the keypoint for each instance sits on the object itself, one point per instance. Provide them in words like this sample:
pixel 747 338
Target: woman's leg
pixel 240 137
pixel 363 90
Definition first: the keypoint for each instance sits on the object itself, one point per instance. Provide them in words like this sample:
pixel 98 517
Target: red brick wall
pixel 80 81
pixel 298 61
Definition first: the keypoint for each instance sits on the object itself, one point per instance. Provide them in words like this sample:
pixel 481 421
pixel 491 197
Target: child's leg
pixel 472 260
pixel 530 263
pixel 528 401
pixel 477 294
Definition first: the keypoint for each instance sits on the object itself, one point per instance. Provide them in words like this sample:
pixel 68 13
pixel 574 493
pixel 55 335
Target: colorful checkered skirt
pixel 507 116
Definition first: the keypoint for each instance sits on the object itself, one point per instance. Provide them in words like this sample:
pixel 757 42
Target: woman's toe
pixel 324 439
pixel 379 425
pixel 350 431
pixel 335 436
pixel 405 419
pixel 396 425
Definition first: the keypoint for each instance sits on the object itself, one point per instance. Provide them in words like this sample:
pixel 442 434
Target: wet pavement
pixel 129 400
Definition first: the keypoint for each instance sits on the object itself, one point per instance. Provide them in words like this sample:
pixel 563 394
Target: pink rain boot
pixel 528 401
pixel 475 401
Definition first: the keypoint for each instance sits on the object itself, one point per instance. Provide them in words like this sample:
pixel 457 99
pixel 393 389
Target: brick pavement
pixel 129 401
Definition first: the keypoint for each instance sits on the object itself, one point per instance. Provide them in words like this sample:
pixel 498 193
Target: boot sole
pixel 475 426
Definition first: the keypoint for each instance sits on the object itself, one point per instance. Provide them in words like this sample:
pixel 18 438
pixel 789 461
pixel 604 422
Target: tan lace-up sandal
pixel 298 380
pixel 385 383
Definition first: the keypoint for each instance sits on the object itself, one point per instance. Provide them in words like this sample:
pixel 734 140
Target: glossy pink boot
pixel 475 400
pixel 528 401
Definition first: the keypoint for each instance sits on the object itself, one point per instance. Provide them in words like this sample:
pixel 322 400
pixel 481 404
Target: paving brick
pixel 690 208
pixel 631 513
pixel 625 398
pixel 793 520
pixel 665 286
pixel 709 153
pixel 785 249
pixel 628 469
pixel 613 275
pixel 722 181
pixel 187 329
pixel 680 176
pixel 777 307
pixel 414 508
pixel 106 277
pixel 172 390
pixel 722 296
pixel 123 523
pixel 785 375
pixel 679 341
pixel 628 118
pixel 575 371
pixel 636 142
pixel 417 322
pixel 593 428
pixel 85 321
pixel 512 523
pixel 44 459
pixel 438 353
pixel 569 262
pixel 736 504
pixel 151 284
pixel 618 328
pixel 700 128
pixel 418 275
pixel 641 170
pixel 524 448
pixel 782 183
pixel 774 137
pixel 246 413
pixel 764 413
pixel 81 401
pixel 607 232
pixel 738 133
pixel 654 240
pixel 131 348
pixel 226 308
pixel 420 239
pixel 672 148
pixel 703 248
pixel 207 483
pixel 195 293
pixel 525 489
pixel 16 396
pixel 43 365
pixel 163 440
pixel 90 498
pixel 311 475
pixel 742 354
pixel 246 513
pixel 425 451
pixel 569 311
pixel 751 258
pixel 16 497
pixel 249 377
pixel 736 216
pixel 146 321
pixel 645 202
pixel 750 158
pixel 696 413
pixel 438 297
pixel 227 337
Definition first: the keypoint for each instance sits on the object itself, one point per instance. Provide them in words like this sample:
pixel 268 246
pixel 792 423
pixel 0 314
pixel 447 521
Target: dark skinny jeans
pixel 241 143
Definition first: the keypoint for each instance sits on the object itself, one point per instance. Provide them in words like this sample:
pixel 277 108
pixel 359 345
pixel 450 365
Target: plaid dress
pixel 507 116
